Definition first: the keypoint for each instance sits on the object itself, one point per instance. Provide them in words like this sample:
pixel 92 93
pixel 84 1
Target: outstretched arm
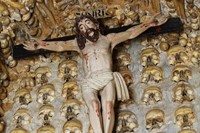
pixel 135 31
pixel 57 46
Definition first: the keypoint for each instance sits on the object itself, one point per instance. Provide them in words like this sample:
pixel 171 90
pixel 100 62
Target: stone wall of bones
pixel 42 93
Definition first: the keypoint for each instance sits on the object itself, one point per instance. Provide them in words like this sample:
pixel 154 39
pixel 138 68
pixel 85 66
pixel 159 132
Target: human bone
pixel 46 93
pixel 27 82
pixel 127 75
pixel 72 126
pixel 152 73
pixel 19 130
pixel 195 57
pixel 164 46
pixel 36 16
pixel 70 90
pixel 70 109
pixel 181 73
pixel 68 69
pixel 194 18
pixel 23 96
pixel 184 117
pixel 187 131
pixel 126 122
pixel 149 57
pixel 155 119
pixel 176 55
pixel 22 117
pixel 43 73
pixel 183 39
pixel 152 95
pixel 46 113
pixel 123 58
pixel 46 129
pixel 183 92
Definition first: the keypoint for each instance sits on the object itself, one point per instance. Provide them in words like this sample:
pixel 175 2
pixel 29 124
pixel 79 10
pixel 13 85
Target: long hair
pixel 81 40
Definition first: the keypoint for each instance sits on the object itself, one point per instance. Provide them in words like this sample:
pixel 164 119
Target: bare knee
pixel 95 107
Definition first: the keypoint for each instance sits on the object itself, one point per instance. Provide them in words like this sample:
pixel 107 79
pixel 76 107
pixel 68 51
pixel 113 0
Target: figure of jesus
pixel 99 80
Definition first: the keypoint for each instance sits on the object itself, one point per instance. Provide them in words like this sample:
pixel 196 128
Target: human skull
pixel 70 109
pixel 183 92
pixel 27 82
pixel 42 74
pixel 23 96
pixel 126 122
pixel 184 117
pixel 123 58
pixel 183 39
pixel 55 57
pixel 70 90
pixel 181 73
pixel 46 129
pixel 68 70
pixel 72 126
pixel 19 130
pixel 46 113
pixel 176 54
pixel 154 119
pixel 22 117
pixel 149 57
pixel 195 57
pixel 127 75
pixel 46 94
pixel 152 95
pixel 151 73
pixel 187 131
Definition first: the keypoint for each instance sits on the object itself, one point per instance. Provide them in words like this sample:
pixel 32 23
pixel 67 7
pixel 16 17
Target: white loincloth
pixel 100 79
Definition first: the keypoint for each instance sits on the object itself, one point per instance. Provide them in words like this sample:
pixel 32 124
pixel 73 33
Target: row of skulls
pixel 184 117
pixel 155 119
pixel 68 71
pixel 46 94
pixel 183 48
pixel 150 58
pixel 181 93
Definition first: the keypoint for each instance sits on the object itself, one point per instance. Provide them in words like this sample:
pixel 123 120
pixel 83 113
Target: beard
pixel 92 34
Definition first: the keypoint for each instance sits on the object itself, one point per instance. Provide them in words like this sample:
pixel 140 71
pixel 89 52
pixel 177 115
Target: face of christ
pixel 88 29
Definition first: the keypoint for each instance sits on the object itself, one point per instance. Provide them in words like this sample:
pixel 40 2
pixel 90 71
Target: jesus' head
pixel 86 28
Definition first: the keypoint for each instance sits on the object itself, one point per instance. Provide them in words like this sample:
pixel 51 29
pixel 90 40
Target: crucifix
pixel 96 53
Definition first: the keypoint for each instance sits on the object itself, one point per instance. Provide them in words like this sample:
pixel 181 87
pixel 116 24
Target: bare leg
pixel 108 100
pixel 94 106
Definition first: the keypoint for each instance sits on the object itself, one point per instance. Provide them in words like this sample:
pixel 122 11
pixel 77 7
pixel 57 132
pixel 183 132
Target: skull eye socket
pixel 176 73
pixel 184 92
pixel 151 95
